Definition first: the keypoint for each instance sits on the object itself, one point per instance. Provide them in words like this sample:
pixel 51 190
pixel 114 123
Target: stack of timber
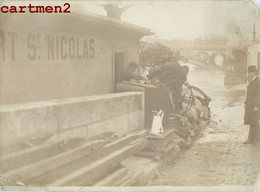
pixel 69 163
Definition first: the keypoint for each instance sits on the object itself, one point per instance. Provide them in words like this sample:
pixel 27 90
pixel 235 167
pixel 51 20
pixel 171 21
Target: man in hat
pixel 252 104
pixel 129 73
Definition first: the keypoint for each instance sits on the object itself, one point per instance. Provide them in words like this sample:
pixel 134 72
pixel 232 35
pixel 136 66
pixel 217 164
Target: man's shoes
pixel 248 141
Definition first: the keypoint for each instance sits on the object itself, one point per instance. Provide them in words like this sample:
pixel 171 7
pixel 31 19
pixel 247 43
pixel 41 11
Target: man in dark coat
pixel 252 104
pixel 172 75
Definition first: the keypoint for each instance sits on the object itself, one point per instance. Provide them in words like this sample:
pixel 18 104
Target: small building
pixel 47 57
pixel 254 55
pixel 58 74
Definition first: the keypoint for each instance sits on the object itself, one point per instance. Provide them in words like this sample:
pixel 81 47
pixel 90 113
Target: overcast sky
pixel 184 19
pixel 187 19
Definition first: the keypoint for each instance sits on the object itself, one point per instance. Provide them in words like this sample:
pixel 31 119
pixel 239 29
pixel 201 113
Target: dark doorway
pixel 119 61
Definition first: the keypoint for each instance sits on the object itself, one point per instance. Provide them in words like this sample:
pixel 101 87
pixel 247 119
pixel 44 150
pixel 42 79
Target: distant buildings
pixel 200 43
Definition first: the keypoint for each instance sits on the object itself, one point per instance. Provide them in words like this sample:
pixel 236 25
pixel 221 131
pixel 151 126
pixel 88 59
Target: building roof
pixel 87 22
pixel 103 20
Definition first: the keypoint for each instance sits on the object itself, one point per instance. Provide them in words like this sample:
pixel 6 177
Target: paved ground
pixel 218 157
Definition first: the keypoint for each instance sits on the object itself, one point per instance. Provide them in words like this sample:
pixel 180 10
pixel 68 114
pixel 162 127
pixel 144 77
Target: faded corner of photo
pixel 130 95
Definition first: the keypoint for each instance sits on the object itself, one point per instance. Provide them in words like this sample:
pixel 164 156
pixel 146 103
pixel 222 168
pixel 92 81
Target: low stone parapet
pixel 74 117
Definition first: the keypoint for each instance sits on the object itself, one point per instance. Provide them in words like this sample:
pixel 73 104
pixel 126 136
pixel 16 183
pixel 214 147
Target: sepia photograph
pixel 130 95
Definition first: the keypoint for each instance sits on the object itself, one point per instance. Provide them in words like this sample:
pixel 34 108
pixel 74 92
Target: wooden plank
pixel 89 174
pixel 111 179
pixel 33 170
pixel 28 156
pixel 77 163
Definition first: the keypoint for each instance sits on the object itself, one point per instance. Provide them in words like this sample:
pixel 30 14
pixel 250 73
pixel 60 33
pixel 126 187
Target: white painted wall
pixel 43 60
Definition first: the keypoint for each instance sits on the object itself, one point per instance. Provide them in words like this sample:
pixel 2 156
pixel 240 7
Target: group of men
pixel 167 72
pixel 171 74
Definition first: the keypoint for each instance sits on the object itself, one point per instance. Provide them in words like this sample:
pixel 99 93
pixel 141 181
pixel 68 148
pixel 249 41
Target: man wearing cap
pixel 252 104
pixel 129 73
